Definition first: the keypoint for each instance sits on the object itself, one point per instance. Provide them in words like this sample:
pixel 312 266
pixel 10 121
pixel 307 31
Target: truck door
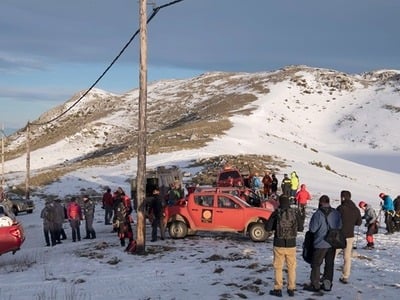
pixel 228 214
pixel 202 211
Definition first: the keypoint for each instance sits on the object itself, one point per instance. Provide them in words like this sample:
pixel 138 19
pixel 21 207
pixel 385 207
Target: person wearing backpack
pixel 351 217
pixel 388 207
pixel 121 220
pixel 324 217
pixel 286 222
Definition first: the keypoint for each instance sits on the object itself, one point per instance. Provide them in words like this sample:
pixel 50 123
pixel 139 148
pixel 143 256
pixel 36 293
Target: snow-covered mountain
pixel 297 118
pixel 291 113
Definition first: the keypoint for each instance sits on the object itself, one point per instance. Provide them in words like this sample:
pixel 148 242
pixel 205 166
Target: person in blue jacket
pixel 323 251
pixel 388 207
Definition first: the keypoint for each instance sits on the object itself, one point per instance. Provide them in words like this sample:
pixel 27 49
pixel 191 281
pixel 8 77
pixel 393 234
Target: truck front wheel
pixel 257 232
pixel 178 230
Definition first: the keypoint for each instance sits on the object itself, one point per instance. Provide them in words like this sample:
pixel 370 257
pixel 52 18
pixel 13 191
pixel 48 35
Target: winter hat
pixel 362 204
pixel 284 201
pixel 382 195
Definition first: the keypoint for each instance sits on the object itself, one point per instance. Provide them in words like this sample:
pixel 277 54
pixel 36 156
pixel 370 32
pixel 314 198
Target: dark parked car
pixel 19 204
pixel 11 232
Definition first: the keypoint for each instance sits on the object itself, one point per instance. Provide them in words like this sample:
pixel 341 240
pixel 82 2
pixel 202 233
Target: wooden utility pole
pixel 142 131
pixel 28 160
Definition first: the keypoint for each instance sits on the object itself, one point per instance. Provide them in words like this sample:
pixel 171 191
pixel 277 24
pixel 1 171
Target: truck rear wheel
pixel 257 232
pixel 178 230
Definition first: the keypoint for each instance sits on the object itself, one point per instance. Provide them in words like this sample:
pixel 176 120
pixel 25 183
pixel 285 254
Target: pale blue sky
pixel 52 49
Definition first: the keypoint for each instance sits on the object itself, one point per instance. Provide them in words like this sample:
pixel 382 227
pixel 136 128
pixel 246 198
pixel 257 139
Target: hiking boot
pixel 343 280
pixel 326 285
pixel 310 288
pixel 290 293
pixel 277 293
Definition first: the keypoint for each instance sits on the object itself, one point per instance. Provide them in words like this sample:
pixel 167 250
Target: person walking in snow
pixel 371 222
pixel 388 207
pixel 351 217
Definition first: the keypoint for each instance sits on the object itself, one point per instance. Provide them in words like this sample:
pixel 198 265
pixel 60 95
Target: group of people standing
pixel 345 218
pixel 54 213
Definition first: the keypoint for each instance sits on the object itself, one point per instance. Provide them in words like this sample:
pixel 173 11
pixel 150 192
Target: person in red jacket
pixel 108 203
pixel 302 198
pixel 74 214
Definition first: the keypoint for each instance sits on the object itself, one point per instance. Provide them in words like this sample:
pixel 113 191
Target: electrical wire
pixel 153 14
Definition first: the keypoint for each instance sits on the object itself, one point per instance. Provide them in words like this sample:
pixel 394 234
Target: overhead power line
pixel 153 14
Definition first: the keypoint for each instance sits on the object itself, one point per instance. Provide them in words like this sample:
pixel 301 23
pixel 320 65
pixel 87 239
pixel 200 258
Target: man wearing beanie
pixel 351 217
pixel 286 222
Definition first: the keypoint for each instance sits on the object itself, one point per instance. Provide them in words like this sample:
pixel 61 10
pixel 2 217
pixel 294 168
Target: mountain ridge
pixel 334 109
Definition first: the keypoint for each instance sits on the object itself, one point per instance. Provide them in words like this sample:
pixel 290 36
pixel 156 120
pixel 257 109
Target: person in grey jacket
pixel 88 213
pixel 370 222
pixel 323 251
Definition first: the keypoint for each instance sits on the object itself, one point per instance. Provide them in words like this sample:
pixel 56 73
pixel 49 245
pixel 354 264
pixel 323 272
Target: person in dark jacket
pixel 49 228
pixel 156 215
pixel 59 221
pixel 286 185
pixel 323 216
pixel 274 184
pixel 351 217
pixel 88 212
pixel 121 219
pixel 284 244
pixel 388 208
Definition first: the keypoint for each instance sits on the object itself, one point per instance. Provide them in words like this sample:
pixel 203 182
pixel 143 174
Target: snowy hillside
pixel 306 117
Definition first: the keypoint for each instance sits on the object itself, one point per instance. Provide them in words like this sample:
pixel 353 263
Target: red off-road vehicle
pixel 229 176
pixel 214 210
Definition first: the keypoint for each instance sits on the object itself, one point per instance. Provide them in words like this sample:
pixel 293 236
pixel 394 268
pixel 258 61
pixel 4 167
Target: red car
pixel 216 211
pixel 12 233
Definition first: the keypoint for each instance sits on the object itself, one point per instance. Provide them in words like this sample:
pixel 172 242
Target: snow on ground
pixel 205 266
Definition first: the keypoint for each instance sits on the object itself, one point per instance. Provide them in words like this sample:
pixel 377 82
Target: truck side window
pixel 225 202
